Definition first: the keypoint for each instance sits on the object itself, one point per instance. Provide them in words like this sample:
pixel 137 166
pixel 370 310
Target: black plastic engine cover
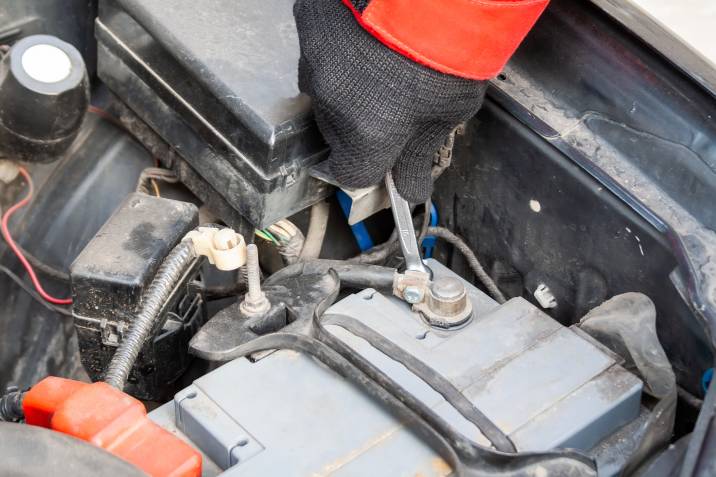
pixel 217 80
pixel 108 279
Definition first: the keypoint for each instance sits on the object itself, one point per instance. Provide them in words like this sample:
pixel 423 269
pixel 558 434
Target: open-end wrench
pixel 406 233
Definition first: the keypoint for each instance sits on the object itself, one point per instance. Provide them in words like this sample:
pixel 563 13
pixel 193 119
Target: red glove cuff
pixel 468 38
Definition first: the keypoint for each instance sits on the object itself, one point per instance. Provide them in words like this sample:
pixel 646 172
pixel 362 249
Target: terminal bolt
pixel 255 302
pixel 411 286
pixel 447 304
pixel 413 295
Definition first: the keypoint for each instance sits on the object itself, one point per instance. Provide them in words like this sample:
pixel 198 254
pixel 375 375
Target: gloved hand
pixel 378 109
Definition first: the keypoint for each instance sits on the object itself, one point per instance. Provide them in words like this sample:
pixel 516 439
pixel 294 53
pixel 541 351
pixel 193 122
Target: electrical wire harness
pixel 16 249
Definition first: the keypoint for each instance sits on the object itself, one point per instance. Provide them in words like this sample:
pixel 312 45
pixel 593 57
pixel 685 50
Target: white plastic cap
pixel 223 247
pixel 46 63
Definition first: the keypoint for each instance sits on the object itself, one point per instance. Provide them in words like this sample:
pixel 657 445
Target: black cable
pixel 481 460
pixel 426 221
pixel 31 291
pixel 48 270
pixel 689 398
pixel 380 253
pixel 428 375
pixel 472 260
pixel 218 292
pixel 340 365
pixel 11 405
pixel 353 275
pixel 463 455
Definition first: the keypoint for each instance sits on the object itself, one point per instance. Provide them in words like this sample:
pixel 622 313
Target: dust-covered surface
pixel 633 123
pixel 110 274
pixel 234 43
pixel 233 114
pixel 75 196
pixel 693 242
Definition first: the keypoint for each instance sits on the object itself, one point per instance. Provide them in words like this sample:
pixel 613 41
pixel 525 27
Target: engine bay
pixel 186 285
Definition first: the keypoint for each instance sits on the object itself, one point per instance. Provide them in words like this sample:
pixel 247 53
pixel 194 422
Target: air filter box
pixel 217 81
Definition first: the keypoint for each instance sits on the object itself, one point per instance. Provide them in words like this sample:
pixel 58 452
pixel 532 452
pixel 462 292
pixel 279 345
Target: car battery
pixel 544 385
pixel 217 81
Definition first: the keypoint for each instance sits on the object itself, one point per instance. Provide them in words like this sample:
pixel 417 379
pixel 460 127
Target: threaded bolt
pixel 413 295
pixel 253 274
pixel 255 301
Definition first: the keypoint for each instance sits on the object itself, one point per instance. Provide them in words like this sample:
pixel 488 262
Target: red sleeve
pixel 468 38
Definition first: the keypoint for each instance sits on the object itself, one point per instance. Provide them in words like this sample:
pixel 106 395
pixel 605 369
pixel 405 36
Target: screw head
pixel 413 295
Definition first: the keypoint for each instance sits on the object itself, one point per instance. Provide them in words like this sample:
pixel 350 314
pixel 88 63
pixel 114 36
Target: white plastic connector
pixel 223 247
pixel 545 297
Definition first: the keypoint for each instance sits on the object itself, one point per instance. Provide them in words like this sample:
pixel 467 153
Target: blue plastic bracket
pixel 360 231
pixel 430 241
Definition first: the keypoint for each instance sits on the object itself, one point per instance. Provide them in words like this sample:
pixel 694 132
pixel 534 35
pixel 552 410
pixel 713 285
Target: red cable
pixel 13 246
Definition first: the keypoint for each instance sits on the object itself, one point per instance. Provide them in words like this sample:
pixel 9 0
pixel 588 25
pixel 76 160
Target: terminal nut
pixel 223 247
pixel 447 304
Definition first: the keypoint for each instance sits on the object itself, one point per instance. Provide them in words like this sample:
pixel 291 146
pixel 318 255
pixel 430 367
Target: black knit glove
pixel 377 109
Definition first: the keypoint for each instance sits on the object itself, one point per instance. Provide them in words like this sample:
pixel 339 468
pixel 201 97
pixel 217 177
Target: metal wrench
pixel 406 233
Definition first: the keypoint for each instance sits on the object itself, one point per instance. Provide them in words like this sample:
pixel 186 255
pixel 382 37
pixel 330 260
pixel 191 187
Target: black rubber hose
pixel 483 461
pixel 11 406
pixel 352 275
pixel 465 457
pixel 339 364
pixel 437 382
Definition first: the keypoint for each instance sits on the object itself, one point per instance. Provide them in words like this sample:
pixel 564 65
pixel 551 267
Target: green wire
pixel 271 236
pixel 266 235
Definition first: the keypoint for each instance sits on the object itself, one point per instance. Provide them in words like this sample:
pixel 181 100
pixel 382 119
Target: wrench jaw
pixel 406 233
pixel 415 285
pixel 411 286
